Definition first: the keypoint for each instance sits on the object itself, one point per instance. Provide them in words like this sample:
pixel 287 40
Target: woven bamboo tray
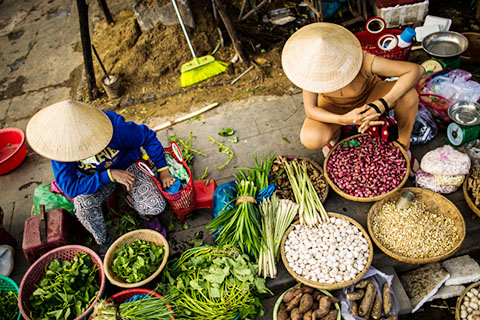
pixel 141 234
pixel 323 197
pixel 329 286
pixel 460 298
pixel 435 203
pixel 360 199
pixel 468 199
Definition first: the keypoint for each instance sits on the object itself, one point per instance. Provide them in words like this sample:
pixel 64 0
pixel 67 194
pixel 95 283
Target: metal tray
pixel 445 44
pixel 466 113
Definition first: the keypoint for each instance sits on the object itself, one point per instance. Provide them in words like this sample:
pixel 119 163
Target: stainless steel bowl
pixel 466 113
pixel 445 44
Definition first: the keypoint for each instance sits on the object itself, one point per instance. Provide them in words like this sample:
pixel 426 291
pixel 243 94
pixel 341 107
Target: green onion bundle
pixel 311 210
pixel 151 308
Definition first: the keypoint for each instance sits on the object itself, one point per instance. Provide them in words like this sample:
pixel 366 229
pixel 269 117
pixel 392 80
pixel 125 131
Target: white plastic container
pixel 401 15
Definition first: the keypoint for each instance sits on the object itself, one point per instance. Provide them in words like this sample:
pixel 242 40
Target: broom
pixel 198 69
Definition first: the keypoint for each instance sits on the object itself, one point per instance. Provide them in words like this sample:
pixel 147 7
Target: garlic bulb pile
pixel 332 252
pixel 470 308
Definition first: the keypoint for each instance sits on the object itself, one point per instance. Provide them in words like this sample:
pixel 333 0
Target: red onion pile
pixel 370 169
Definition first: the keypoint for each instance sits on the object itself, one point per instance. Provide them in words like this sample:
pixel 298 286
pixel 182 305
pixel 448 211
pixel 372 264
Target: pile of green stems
pixel 152 308
pixel 311 210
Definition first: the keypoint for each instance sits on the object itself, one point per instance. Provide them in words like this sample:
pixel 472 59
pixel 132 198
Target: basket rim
pixel 10 281
pixel 280 298
pixel 399 257
pixel 136 291
pixel 132 235
pixel 360 199
pixel 469 200
pixel 317 166
pixel 328 286
pixel 41 260
pixel 460 298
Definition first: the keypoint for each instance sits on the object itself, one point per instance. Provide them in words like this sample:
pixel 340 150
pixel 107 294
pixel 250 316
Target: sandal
pixel 414 165
pixel 331 144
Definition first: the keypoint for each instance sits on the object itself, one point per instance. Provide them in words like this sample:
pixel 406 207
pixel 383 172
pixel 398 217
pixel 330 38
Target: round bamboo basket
pixel 460 298
pixel 325 292
pixel 142 234
pixel 435 203
pixel 468 199
pixel 329 286
pixel 323 197
pixel 361 199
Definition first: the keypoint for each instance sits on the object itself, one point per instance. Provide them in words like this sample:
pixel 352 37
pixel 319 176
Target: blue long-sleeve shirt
pixel 86 176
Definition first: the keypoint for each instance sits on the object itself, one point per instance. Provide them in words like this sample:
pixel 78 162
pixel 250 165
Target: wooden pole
pixel 106 11
pixel 232 32
pixel 86 48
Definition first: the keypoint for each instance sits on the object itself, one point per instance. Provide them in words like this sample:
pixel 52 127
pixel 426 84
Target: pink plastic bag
pixel 426 180
pixel 446 161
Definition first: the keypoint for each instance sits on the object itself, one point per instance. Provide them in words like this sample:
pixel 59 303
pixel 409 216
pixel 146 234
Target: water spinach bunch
pixel 8 305
pixel 213 283
pixel 68 289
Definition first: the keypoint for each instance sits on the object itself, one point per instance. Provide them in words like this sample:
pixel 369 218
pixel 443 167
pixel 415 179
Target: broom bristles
pixel 202 72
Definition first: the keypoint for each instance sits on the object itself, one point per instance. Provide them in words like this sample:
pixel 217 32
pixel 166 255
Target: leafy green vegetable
pixel 147 308
pixel 223 149
pixel 128 221
pixel 8 305
pixel 286 140
pixel 186 148
pixel 137 261
pixel 226 132
pixel 233 140
pixel 213 283
pixel 205 174
pixel 68 289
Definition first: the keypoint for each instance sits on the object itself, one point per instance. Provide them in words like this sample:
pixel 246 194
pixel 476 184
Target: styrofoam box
pixel 401 15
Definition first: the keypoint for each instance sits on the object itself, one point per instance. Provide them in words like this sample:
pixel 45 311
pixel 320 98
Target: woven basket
pixel 468 199
pixel 124 295
pixel 435 203
pixel 360 199
pixel 460 298
pixel 279 301
pixel 323 197
pixel 36 273
pixel 7 285
pixel 141 234
pixel 329 286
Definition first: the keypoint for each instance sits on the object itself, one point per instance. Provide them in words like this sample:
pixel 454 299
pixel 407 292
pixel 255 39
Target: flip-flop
pixel 414 165
pixel 329 146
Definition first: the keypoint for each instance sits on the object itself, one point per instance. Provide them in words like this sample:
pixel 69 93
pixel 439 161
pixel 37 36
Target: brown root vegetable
pixel 362 284
pixel 323 307
pixel 367 301
pixel 315 305
pixel 355 295
pixel 332 315
pixel 333 299
pixel 317 293
pixel 288 296
pixel 390 318
pixel 305 303
pixel 308 315
pixel 307 289
pixel 299 286
pixel 282 314
pixel 377 307
pixel 296 314
pixel 387 299
pixel 294 302
pixel 354 308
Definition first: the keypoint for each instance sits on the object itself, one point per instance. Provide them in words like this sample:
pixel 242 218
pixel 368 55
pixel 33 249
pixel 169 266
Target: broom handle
pixel 174 2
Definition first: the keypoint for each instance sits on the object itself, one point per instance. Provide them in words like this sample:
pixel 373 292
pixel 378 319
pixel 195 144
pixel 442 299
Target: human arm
pixel 313 111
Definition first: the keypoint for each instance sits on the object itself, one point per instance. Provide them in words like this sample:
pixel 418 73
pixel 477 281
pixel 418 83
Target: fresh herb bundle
pixel 8 305
pixel 136 261
pixel 213 283
pixel 146 308
pixel 68 289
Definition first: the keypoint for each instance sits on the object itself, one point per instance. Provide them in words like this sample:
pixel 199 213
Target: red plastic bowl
pixel 12 149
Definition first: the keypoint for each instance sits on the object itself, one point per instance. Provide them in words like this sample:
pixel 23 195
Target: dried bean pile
pixel 470 307
pixel 370 169
pixel 473 186
pixel 282 184
pixel 414 232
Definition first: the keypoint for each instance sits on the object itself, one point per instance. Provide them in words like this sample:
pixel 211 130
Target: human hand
pixel 124 177
pixel 166 179
pixel 370 119
pixel 358 115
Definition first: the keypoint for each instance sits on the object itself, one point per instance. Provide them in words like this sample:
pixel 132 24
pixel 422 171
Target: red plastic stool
pixel 204 192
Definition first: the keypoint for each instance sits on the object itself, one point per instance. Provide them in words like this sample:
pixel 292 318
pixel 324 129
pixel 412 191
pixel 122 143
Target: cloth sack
pixel 446 161
pixel 426 180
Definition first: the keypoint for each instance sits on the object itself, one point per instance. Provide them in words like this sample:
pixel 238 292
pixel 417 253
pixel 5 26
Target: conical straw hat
pixel 322 57
pixel 69 131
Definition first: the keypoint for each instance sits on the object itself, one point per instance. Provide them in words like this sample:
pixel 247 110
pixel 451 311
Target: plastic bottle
pixel 149 161
pixel 406 38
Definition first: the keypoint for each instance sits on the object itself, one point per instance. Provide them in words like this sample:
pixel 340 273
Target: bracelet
pixel 385 104
pixel 374 107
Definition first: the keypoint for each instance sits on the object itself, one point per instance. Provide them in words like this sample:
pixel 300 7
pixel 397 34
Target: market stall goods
pixel 364 168
pixel 304 302
pixel 332 255
pixel 428 229
pixel 471 190
pixel 8 305
pixel 282 184
pixel 468 304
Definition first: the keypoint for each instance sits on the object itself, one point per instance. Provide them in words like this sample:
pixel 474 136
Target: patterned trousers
pixel 147 200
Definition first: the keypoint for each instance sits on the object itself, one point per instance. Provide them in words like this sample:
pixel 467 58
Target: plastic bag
pixel 473 150
pixel 222 200
pixel 449 180
pixel 446 161
pixel 424 128
pixel 177 170
pixel 52 201
pixel 456 85
pixel 426 180
pixel 378 278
